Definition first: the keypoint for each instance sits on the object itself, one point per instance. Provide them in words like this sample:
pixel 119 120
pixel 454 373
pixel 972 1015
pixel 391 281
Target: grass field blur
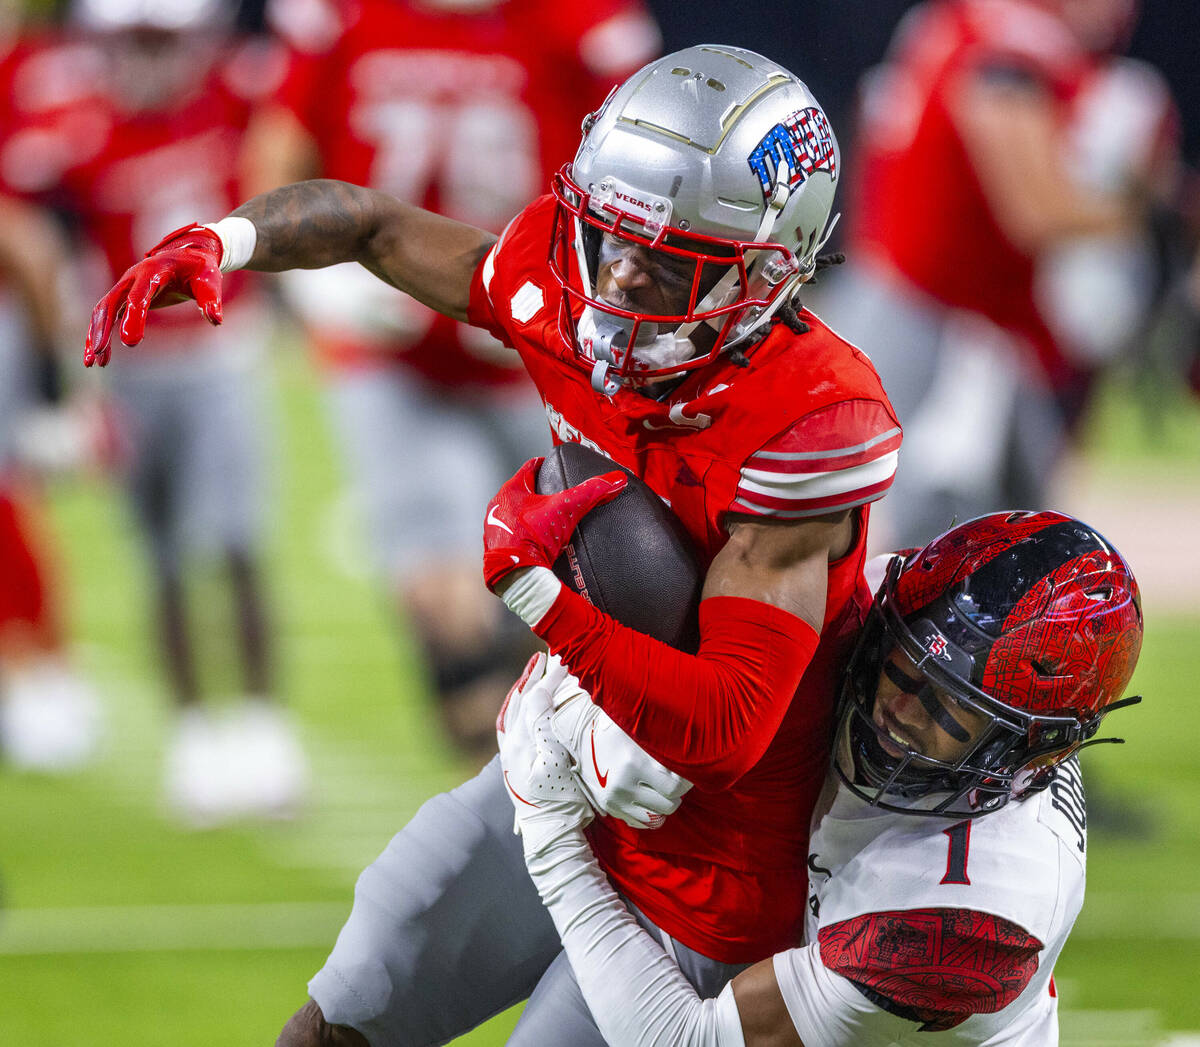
pixel 119 929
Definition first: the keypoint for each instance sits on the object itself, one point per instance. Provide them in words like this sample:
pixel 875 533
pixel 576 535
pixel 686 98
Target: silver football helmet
pixel 723 164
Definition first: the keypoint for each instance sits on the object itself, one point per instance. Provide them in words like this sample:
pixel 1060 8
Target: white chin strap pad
pixel 600 332
pixel 667 350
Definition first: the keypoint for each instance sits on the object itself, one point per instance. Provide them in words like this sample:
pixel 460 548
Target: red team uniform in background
pixel 140 129
pixel 70 144
pixel 464 113
pixel 950 287
pixel 122 193
pixel 50 718
pixel 34 94
pixel 805 429
pixel 919 206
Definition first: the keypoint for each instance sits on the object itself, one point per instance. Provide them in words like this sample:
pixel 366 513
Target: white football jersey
pixel 922 925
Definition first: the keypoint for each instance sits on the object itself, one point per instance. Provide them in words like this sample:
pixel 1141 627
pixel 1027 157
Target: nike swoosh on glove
pixel 537 768
pixel 183 266
pixel 525 529
pixel 617 775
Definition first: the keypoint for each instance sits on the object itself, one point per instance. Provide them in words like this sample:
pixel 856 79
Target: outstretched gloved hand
pixel 183 266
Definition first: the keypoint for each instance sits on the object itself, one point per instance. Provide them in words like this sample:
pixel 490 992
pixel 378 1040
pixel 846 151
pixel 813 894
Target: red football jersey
pixel 466 114
pixel 804 429
pixel 51 113
pixel 918 203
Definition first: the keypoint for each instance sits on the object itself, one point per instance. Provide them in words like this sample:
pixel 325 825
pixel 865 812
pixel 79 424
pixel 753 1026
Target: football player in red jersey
pixel 652 299
pixel 400 96
pixel 50 717
pixel 999 144
pixel 948 850
pixel 168 90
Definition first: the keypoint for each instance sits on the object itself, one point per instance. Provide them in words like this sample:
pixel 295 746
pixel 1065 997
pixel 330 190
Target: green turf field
pixel 118 929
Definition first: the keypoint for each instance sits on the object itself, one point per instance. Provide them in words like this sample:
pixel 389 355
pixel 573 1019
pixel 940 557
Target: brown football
pixel 631 557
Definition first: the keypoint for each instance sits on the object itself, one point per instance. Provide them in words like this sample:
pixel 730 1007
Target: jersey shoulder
pixel 799 368
pixel 836 440
pixel 311 26
pixel 606 39
pixel 935 42
pixel 513 286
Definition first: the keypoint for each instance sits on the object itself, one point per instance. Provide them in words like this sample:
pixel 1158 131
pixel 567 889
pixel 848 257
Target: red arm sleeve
pixel 934 966
pixel 708 716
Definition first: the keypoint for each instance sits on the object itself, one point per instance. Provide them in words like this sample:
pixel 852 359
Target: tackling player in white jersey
pixel 988 660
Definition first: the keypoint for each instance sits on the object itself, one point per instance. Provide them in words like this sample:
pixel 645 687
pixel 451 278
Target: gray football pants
pixel 447 930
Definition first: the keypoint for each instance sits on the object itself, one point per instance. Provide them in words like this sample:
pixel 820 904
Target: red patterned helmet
pixel 988 658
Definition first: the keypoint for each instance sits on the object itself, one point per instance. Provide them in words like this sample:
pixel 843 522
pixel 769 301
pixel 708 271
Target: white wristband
pixel 238 237
pixel 532 594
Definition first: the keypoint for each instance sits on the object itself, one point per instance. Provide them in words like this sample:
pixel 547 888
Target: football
pixel 631 557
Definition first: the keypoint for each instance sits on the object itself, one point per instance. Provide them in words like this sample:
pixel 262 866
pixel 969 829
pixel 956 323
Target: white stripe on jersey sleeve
pixel 489 268
pixel 489 261
pixel 793 496
pixel 803 487
pixel 840 452
pixel 749 509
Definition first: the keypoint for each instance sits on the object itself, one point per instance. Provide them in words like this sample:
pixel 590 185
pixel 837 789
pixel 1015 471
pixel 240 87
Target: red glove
pixel 183 265
pixel 527 529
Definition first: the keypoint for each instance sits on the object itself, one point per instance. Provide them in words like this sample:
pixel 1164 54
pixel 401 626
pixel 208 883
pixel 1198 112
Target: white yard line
pixel 170 928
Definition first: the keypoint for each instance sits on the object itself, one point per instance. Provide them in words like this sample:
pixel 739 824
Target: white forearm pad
pixel 238 237
pixel 634 990
pixel 532 594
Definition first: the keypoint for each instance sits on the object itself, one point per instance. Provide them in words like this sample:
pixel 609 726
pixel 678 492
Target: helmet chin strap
pixel 603 333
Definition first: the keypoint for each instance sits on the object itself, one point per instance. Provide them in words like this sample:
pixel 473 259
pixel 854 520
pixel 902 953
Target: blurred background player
pixel 464 107
pixel 998 250
pixel 170 98
pixel 49 716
